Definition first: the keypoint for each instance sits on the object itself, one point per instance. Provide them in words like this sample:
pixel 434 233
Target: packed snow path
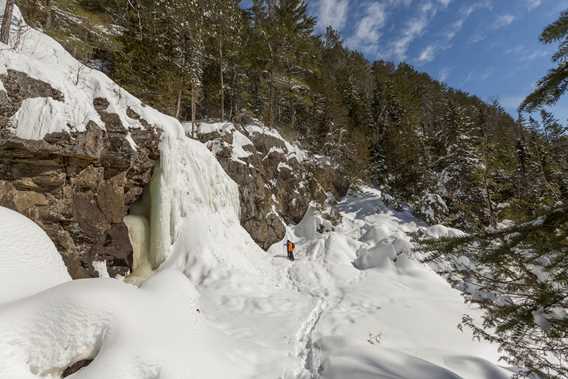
pixel 354 304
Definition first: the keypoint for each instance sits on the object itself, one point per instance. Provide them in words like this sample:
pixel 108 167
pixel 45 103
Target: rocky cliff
pixel 277 180
pixel 77 186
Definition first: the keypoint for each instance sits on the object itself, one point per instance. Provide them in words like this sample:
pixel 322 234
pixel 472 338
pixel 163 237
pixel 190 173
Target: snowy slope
pixel 354 305
pixel 43 58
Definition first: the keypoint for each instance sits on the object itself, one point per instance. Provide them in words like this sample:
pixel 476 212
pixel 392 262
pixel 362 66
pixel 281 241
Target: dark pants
pixel 291 255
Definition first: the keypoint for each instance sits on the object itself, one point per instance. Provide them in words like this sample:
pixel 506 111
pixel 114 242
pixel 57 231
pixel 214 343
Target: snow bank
pixel 29 261
pixel 255 128
pixel 151 332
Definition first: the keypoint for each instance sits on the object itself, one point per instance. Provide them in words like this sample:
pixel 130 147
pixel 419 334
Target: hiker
pixel 290 246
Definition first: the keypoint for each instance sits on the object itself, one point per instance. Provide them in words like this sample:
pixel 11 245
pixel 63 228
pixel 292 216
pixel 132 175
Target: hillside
pixel 451 156
pixel 239 197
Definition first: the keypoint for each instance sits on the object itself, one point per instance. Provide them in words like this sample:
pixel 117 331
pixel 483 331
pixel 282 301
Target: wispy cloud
pixel 333 13
pixel 523 54
pixel 412 30
pixel 503 21
pixel 427 54
pixel 465 13
pixel 533 4
pixel 368 32
pixel 470 9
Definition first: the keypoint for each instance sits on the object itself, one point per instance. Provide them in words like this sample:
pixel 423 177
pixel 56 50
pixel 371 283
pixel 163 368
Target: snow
pixel 355 304
pixel 152 332
pixel 29 261
pixel 239 142
pixel 221 306
pixel 42 58
pixel 46 113
pixel 212 127
pixel 294 151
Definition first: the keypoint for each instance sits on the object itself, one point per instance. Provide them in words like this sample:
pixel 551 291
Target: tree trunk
pixel 178 103
pixel 194 94
pixel 487 190
pixel 7 22
pixel 221 77
pixel 271 101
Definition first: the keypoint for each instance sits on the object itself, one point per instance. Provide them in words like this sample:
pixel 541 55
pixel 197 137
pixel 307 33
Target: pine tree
pixel 223 18
pixel 550 88
pixel 519 279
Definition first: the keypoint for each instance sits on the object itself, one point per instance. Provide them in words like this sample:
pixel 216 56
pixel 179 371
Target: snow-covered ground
pixel 354 305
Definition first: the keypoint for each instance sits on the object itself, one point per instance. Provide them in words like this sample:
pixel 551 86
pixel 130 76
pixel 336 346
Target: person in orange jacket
pixel 290 246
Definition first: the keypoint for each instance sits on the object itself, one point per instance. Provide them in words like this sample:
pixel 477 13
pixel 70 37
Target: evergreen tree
pixel 550 88
pixel 223 18
pixel 519 279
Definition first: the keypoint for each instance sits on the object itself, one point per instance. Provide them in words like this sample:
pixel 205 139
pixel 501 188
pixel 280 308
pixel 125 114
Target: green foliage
pixel 519 279
pixel 550 88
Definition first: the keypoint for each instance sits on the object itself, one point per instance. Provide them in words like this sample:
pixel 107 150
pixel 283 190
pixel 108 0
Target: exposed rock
pixel 274 186
pixel 76 367
pixel 77 186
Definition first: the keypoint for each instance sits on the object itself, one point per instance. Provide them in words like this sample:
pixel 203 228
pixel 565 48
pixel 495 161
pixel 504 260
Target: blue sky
pixel 489 48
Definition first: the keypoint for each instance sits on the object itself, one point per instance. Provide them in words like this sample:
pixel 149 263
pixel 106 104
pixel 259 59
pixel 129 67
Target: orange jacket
pixel 290 246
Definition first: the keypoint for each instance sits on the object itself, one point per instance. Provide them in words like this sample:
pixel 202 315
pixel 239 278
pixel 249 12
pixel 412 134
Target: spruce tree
pixel 550 88
pixel 519 279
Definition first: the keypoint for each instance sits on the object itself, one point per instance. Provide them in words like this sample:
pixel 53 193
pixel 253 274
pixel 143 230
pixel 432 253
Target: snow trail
pixel 374 306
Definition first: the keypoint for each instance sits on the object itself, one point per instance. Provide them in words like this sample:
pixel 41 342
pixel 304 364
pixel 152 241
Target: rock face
pixel 77 186
pixel 276 184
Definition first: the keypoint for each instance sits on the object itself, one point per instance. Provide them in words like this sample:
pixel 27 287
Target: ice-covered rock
pixel 277 179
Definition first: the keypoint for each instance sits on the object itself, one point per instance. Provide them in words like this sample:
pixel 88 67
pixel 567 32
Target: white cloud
pixel 476 6
pixel 476 38
pixel 466 12
pixel 333 13
pixel 533 4
pixel 368 32
pixel 486 74
pixel 397 3
pixel 454 29
pixel 503 21
pixel 427 54
pixel 413 29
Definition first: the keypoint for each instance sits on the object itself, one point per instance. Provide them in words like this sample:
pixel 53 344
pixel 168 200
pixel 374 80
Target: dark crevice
pixel 76 367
